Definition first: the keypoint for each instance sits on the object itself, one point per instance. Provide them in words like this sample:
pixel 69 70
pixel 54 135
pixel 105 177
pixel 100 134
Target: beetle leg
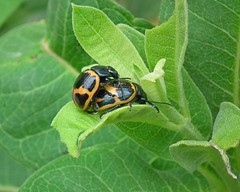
pixel 96 109
pixel 93 112
pixel 154 106
pixel 131 102
pixel 110 110
pixel 130 106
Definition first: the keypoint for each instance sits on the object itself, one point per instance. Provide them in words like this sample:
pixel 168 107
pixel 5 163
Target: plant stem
pixel 213 178
pixel 191 132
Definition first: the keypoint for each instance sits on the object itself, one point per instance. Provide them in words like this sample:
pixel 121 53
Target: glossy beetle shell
pixel 115 94
pixel 84 89
pixel 89 82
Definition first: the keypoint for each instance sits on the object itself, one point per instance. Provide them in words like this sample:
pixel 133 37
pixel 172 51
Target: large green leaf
pixel 104 41
pixel 212 56
pixel 8 166
pixel 169 41
pixel 60 34
pixel 200 113
pixel 7 8
pixel 141 25
pixel 110 168
pixel 155 138
pixel 30 96
pixel 75 125
pixel 111 134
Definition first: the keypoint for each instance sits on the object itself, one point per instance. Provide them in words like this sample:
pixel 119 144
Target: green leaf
pixel 28 11
pixel 212 57
pixel 7 8
pixel 104 41
pixel 218 44
pixel 226 128
pixel 192 154
pixel 74 125
pixel 30 96
pixel 137 39
pixel 12 174
pixel 141 25
pixel 143 9
pixel 169 41
pixel 154 138
pixel 234 157
pixel 111 134
pixel 114 11
pixel 166 10
pixel 200 114
pixel 60 34
pixel 154 84
pixel 110 168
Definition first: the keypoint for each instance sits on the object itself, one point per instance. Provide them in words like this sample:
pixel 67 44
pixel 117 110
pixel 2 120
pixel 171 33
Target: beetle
pixel 89 82
pixel 116 94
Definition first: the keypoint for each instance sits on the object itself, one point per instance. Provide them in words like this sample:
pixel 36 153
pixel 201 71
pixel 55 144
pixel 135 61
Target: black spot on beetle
pixel 125 93
pixel 81 99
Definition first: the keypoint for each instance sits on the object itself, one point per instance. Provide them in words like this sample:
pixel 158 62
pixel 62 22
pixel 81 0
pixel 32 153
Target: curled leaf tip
pixel 159 67
pixel 157 73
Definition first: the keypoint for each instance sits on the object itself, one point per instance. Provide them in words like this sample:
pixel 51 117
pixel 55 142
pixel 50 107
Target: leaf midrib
pixel 236 72
pixel 69 67
pixel 181 53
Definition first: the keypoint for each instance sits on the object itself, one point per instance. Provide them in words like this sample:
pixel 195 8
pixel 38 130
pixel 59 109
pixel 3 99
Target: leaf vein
pixel 214 25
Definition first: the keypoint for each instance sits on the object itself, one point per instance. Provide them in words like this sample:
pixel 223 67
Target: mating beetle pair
pixel 101 88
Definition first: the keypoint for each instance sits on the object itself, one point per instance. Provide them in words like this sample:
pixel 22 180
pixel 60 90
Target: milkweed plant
pixel 188 58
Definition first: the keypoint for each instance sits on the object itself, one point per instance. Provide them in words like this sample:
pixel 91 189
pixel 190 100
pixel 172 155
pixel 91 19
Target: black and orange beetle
pixel 89 82
pixel 118 93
